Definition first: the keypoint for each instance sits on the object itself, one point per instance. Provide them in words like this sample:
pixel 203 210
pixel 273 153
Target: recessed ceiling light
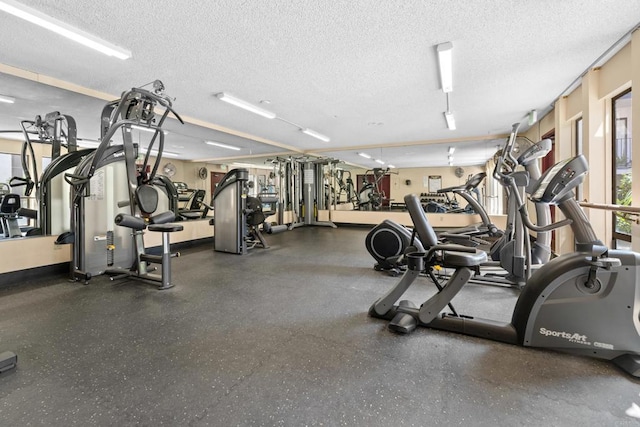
pixel 365 155
pixel 378 161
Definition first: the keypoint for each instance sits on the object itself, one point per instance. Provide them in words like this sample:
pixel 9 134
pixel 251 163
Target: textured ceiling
pixel 361 72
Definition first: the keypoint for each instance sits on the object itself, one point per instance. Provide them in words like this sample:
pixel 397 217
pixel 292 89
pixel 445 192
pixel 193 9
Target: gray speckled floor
pixel 280 337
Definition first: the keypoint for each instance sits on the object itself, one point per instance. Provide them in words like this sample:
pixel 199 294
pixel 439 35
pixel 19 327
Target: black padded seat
pixel 191 215
pixel 463 259
pixel 165 228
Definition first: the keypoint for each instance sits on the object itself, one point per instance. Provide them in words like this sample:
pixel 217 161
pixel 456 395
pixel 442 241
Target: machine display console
pixel 560 180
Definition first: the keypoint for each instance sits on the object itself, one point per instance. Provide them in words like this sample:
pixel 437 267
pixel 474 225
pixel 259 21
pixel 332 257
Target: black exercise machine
pixel 388 243
pixel 135 107
pixel 8 361
pixel 584 303
pixel 9 208
pixel 236 215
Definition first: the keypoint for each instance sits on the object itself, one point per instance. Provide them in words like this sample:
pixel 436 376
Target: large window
pixel 622 144
pixel 11 166
pixel 46 161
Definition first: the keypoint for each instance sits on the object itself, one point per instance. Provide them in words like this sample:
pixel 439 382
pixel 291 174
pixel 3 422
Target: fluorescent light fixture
pixel 88 143
pixel 222 96
pixel 450 162
pixel 146 129
pixel 391 166
pixel 7 99
pixel 533 117
pixel 365 155
pixel 221 145
pixel 446 66
pixel 45 21
pixel 249 165
pixel 451 122
pixel 155 153
pixel 451 150
pixel 315 134
pixel 378 161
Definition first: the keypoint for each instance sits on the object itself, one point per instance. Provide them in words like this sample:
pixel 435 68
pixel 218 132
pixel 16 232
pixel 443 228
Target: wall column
pixel 635 135
pixel 597 185
pixel 564 240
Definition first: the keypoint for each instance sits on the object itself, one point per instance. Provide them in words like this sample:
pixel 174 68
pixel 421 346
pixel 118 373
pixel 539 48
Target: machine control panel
pixel 536 151
pixel 559 181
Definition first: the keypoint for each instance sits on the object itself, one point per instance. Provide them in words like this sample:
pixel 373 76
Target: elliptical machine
pixel 514 254
pixel 388 243
pixel 474 235
pixel 585 303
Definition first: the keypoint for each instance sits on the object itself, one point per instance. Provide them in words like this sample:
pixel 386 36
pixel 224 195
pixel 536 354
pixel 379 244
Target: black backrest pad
pixel 198 198
pixel 425 232
pixel 10 203
pixel 256 217
pixel 147 198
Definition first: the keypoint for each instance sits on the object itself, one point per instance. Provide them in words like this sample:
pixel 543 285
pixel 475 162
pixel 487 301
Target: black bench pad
pixel 165 228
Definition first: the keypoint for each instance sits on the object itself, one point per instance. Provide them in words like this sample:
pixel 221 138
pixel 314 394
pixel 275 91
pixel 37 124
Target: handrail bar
pixel 610 207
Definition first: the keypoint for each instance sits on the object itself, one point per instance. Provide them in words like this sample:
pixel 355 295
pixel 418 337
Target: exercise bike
pixel 585 303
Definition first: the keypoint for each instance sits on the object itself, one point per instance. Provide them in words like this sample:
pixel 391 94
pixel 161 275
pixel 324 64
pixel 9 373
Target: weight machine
pixel 301 184
pixel 100 187
pixel 51 191
pixel 371 197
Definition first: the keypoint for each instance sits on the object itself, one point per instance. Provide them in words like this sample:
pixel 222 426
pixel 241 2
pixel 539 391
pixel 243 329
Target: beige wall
pixel 590 100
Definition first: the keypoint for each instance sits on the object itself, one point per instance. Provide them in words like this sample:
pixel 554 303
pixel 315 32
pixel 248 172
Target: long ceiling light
pixel 222 96
pixel 250 165
pixel 452 150
pixel 45 21
pixel 221 145
pixel 315 134
pixel 379 161
pixel 446 66
pixel 7 99
pixel 87 143
pixel 365 155
pixel 143 150
pixel 451 122
pixel 146 129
